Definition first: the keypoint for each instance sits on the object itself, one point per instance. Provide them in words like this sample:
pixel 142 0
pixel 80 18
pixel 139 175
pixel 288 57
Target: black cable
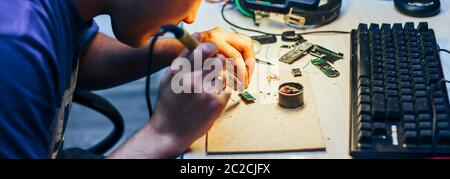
pixel 267 33
pixel 448 52
pixel 239 27
pixel 444 50
pixel 442 80
pixel 149 72
pixel 324 32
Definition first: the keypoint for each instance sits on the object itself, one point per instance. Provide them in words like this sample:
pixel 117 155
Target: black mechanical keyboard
pixel 399 106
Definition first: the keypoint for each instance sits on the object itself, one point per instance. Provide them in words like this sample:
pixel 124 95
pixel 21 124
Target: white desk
pixel 331 95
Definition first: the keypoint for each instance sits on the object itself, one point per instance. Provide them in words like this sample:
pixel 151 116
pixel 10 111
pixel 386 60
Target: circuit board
pixel 246 96
pixel 330 56
pixel 325 67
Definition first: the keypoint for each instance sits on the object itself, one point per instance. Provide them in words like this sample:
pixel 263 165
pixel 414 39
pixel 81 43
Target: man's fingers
pixel 245 46
pixel 197 36
pixel 207 50
pixel 224 96
pixel 230 52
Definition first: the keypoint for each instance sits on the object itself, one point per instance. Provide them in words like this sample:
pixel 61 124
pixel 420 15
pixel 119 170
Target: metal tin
pixel 291 101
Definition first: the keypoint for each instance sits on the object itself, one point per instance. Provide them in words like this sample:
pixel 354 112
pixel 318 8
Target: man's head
pixel 135 21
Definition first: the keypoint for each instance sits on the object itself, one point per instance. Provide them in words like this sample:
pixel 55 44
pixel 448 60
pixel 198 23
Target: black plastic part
pixel 424 8
pixel 282 6
pixel 309 9
pixel 289 36
pixel 265 39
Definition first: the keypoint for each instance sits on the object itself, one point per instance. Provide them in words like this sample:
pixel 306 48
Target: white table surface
pixel 331 95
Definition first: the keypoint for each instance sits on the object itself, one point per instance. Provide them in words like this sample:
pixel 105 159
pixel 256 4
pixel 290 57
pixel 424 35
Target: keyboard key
pixel 410 137
pixel 442 117
pixel 391 93
pixel 426 136
pixel 364 81
pixel 378 83
pixel 441 107
pixel 408 108
pixel 423 26
pixel 405 91
pixel 365 137
pixel 364 118
pixel 393 86
pixel 444 137
pixel 364 109
pixel 409 119
pixel 380 128
pixel 377 89
pixel 410 126
pixel 424 117
pixel 409 26
pixel 422 105
pixel 406 98
pixel 425 125
pixel 364 90
pixel 443 125
pixel 393 108
pixel 364 99
pixel 378 107
pixel 365 126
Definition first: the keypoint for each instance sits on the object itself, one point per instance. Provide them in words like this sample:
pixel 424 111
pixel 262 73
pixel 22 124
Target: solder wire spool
pixel 288 100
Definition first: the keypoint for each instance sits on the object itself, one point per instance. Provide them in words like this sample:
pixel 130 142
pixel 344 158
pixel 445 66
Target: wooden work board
pixel 258 127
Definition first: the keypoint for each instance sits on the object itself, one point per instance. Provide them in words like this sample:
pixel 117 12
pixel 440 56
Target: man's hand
pixel 188 116
pixel 235 46
pixel 179 119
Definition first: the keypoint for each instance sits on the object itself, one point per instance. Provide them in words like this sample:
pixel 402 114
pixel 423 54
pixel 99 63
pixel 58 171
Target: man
pixel 49 47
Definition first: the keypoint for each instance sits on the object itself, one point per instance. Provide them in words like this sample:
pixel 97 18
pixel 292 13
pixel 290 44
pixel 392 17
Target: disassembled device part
pixel 265 39
pixel 297 72
pixel 263 61
pixel 246 96
pixel 328 55
pixel 291 95
pixel 296 53
pixel 290 36
pixel 325 67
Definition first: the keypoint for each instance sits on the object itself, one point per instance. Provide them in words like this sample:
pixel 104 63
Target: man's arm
pixel 108 62
pixel 168 134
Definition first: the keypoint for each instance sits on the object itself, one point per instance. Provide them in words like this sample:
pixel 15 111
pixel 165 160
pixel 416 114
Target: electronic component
pixel 289 36
pixel 290 95
pixel 296 72
pixel 399 104
pixel 325 67
pixel 293 12
pixel 328 55
pixel 418 8
pixel 265 39
pixel 299 51
pixel 263 62
pixel 246 96
pixel 286 46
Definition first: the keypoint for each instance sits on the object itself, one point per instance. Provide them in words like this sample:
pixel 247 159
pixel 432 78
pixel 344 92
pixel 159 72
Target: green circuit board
pixel 247 96
pixel 324 66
